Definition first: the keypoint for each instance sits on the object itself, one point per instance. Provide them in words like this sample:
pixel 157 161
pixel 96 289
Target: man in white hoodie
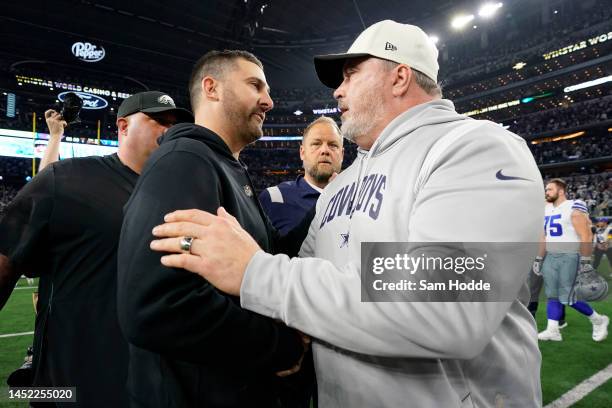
pixel 423 174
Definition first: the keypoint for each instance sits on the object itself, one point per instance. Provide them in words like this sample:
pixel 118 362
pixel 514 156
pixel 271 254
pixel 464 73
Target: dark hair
pixel 560 183
pixel 215 64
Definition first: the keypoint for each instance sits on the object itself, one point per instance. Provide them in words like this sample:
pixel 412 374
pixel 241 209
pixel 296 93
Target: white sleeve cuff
pixel 264 284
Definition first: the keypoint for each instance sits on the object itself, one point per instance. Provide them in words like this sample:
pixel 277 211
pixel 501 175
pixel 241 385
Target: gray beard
pixel 356 128
pixel 347 132
pixel 363 124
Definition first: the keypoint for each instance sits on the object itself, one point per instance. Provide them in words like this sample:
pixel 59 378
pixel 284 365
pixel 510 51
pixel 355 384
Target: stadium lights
pixel 534 97
pixel 569 136
pixel 557 138
pixel 488 9
pixel 434 39
pixel 588 84
pixel 461 21
pixel 519 65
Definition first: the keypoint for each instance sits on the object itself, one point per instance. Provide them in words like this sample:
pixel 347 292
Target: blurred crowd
pixel 15 167
pixel 7 193
pixel 579 114
pixel 507 45
pixel 588 147
pixel 594 189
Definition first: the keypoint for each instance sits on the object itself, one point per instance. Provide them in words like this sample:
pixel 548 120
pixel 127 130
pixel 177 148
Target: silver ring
pixel 186 243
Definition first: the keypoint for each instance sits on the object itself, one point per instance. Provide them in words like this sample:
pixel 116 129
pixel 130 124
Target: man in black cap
pixel 64 227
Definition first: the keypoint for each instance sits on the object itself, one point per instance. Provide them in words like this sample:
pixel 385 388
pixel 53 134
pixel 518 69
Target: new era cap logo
pixel 166 100
pixel 390 47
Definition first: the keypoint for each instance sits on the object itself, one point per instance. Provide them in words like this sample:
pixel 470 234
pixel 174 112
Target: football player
pixel 568 247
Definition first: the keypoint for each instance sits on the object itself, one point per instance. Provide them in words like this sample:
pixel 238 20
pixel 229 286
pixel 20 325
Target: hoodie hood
pixel 430 113
pixel 200 133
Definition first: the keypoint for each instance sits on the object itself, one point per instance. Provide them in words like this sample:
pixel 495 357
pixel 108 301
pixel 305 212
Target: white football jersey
pixel 558 228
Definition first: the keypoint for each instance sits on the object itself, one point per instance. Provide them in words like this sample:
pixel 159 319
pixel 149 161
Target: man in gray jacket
pixel 423 174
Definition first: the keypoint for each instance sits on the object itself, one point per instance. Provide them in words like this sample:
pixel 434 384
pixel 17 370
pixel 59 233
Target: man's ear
pixel 122 126
pixel 302 150
pixel 210 88
pixel 402 76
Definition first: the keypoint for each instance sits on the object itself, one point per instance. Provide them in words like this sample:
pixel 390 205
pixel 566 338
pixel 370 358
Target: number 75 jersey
pixel 558 226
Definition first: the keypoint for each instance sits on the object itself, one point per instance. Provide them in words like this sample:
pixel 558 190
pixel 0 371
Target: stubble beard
pixel 247 130
pixel 365 114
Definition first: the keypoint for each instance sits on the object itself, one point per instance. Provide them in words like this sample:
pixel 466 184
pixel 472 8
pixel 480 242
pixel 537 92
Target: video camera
pixel 70 108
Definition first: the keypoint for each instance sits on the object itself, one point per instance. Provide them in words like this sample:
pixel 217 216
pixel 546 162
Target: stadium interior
pixel 540 68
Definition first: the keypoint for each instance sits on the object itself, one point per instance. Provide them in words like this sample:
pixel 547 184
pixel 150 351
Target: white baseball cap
pixel 387 39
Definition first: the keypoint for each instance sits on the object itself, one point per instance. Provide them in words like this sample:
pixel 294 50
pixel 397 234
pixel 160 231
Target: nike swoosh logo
pixel 501 176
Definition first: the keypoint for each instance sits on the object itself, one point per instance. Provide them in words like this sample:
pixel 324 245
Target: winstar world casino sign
pixel 88 52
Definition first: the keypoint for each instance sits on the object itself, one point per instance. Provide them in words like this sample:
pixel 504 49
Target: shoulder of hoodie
pixel 483 136
pixel 484 132
pixel 489 133
pixel 183 145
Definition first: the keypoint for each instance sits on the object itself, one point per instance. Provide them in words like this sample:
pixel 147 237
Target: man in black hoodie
pixel 191 345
